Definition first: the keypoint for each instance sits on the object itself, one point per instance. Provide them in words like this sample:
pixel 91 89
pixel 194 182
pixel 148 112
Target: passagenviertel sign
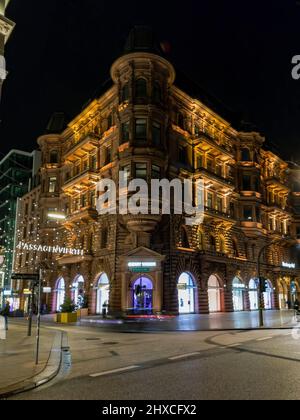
pixel 24 246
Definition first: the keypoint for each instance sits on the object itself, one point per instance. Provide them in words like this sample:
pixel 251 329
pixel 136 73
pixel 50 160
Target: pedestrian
pixel 5 313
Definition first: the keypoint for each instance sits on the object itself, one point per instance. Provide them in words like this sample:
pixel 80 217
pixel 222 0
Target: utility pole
pixel 260 285
pixel 38 324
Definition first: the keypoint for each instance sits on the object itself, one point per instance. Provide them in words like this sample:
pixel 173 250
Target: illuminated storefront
pixel 214 294
pixel 186 294
pixel 238 291
pixel 253 295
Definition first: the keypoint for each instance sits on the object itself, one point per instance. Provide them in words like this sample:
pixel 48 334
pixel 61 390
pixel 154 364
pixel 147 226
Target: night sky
pixel 61 51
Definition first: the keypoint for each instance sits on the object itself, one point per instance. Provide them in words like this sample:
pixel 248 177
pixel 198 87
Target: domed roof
pixel 142 39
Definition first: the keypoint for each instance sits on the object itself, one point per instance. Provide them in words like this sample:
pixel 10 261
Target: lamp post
pixel 260 293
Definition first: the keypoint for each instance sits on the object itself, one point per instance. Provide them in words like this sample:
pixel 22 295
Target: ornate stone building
pixel 147 125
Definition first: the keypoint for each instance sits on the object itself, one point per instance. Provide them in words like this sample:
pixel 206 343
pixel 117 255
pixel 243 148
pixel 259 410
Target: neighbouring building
pixel 6 28
pixel 152 124
pixel 17 172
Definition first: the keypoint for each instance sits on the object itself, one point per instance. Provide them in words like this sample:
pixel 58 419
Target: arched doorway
pixel 238 291
pixel 268 295
pixel 253 295
pixel 60 293
pixel 78 291
pixel 186 294
pixel 282 295
pixel 214 294
pixel 103 288
pixel 143 295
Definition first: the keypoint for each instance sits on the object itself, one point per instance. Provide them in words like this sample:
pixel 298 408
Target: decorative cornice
pixel 6 27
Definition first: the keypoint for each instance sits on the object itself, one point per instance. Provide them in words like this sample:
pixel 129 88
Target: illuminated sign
pixel 23 246
pixel 142 264
pixel 7 293
pixel 47 290
pixel 27 292
pixel 288 265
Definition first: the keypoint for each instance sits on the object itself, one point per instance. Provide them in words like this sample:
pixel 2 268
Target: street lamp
pixel 278 241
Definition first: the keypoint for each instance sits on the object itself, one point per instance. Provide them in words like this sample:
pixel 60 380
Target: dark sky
pixel 241 51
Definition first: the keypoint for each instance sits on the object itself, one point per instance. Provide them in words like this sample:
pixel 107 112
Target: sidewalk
pixel 17 355
pixel 212 322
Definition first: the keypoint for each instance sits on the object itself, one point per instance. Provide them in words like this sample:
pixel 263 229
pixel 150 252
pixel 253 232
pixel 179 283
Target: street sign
pixel 25 277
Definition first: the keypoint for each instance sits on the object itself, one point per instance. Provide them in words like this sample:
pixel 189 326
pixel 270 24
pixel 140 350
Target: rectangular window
pixel 156 134
pixel 85 165
pixel 52 184
pixel 107 156
pixel 219 205
pixel 199 161
pixel 219 170
pixel 210 165
pixel 247 183
pixel 83 201
pixel 77 169
pixel 125 132
pixel 156 172
pixel 141 171
pixel 94 162
pixel 210 200
pixel 141 130
pixel 248 214
pixel 93 199
pixel 183 156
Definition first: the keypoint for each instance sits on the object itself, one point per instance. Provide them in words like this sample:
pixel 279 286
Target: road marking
pixel 184 356
pixel 264 339
pixel 109 372
pixel 234 345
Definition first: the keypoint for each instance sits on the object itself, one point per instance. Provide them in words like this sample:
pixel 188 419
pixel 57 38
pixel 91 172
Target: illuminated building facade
pixel 17 170
pixel 151 125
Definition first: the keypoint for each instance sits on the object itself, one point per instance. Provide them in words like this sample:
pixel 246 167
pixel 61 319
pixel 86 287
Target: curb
pixel 50 371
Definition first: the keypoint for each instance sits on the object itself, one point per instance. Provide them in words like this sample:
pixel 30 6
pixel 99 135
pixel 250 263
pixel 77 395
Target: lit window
pixel 52 184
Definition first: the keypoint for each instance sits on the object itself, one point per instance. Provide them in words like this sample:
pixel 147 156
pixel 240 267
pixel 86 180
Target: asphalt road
pixel 178 366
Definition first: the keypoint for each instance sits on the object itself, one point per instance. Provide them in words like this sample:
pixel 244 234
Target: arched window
pixel 141 88
pixel 214 294
pixel 157 93
pixel 54 157
pixel 245 155
pixel 103 289
pixel 60 294
pixel 125 93
pixel 184 238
